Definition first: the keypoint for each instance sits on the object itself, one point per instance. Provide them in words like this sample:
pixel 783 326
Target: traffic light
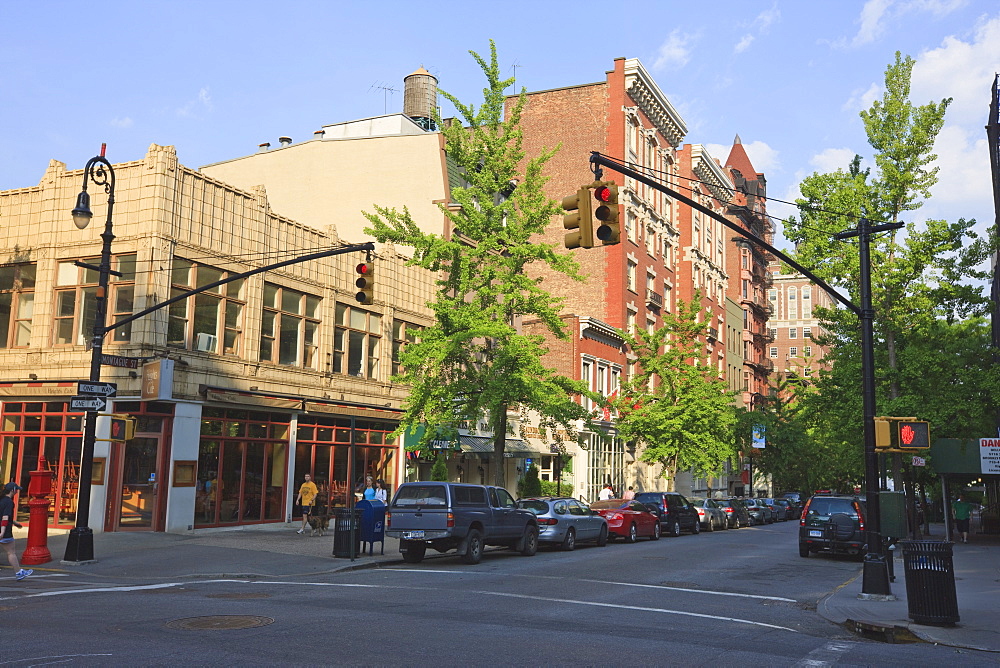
pixel 579 219
pixel 122 428
pixel 606 194
pixel 913 434
pixel 365 282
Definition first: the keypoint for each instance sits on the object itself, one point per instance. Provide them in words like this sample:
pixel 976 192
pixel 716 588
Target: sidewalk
pixel 977 586
pixel 272 550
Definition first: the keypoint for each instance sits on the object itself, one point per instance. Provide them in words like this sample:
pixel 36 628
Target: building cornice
pixel 707 170
pixel 641 88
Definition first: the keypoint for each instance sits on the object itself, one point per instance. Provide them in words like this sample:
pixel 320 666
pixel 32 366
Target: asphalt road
pixel 738 597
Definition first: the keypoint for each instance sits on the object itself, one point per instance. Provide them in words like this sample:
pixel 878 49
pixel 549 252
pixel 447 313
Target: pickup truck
pixel 452 516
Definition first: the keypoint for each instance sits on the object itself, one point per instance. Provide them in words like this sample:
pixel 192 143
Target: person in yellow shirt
pixel 306 499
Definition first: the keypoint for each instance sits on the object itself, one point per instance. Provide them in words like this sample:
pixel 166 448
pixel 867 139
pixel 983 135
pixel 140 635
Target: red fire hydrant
pixel 37 551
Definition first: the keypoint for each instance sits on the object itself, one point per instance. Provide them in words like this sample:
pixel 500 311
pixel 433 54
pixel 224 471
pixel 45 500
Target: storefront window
pixel 241 467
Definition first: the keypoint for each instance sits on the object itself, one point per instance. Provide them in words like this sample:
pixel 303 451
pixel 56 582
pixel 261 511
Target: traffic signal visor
pixel 365 282
pixel 579 219
pixel 606 213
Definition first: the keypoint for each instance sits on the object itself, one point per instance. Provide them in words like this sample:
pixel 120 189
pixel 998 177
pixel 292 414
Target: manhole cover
pixel 239 596
pixel 219 622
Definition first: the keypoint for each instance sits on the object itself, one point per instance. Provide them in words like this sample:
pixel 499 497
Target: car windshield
pixel 608 505
pixel 421 495
pixel 824 507
pixel 698 502
pixel 537 507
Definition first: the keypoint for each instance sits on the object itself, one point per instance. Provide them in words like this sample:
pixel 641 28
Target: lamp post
pixel 80 546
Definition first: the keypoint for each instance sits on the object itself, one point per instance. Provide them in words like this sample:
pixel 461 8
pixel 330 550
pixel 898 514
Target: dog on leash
pixel 318 522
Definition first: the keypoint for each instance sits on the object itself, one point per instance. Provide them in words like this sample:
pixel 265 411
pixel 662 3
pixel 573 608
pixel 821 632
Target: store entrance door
pixel 137 504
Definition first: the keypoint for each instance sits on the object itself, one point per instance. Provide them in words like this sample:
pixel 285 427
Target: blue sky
pixel 215 78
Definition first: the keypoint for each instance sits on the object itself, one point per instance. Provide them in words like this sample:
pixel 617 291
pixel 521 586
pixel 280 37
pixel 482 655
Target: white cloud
pixel 743 44
pixel 675 51
pixel 123 123
pixel 863 99
pixel 831 159
pixel 871 21
pixel 202 102
pixel 766 18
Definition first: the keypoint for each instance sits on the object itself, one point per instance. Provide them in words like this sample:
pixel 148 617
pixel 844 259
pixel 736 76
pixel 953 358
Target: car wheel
pixel 725 523
pixel 473 548
pixel 656 532
pixel 711 524
pixel 602 537
pixel 696 529
pixel 569 542
pixel 736 524
pixel 675 529
pixel 414 554
pixel 803 550
pixel 529 543
pixel 633 534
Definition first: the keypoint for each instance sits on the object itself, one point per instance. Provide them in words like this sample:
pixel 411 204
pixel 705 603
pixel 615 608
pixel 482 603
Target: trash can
pixel 930 582
pixel 344 520
pixel 372 523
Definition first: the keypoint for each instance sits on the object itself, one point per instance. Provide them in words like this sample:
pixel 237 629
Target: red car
pixel 628 519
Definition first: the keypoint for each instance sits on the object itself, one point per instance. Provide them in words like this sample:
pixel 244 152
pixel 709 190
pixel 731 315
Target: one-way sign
pixel 88 403
pixel 96 388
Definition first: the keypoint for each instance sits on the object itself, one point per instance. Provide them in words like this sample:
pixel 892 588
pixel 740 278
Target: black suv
pixel 675 512
pixel 833 524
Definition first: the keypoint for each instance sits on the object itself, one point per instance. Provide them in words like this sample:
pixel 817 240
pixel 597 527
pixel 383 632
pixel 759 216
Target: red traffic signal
pixel 607 213
pixel 365 282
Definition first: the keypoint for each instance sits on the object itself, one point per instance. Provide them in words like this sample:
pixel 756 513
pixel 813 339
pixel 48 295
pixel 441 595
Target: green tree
pixel 530 484
pixel 923 277
pixel 473 362
pixel 439 471
pixel 676 408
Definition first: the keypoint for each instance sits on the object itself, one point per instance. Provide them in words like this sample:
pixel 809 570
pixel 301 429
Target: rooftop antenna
pixel 386 91
pixel 514 69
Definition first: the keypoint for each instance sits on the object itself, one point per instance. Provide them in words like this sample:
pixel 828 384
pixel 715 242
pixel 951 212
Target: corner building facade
pixel 237 391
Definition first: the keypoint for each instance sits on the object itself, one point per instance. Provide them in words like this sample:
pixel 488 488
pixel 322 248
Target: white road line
pixel 606 582
pixel 827 655
pixel 64 657
pixel 617 606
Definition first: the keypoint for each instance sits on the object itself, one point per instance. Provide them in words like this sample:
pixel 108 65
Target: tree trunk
pixel 499 442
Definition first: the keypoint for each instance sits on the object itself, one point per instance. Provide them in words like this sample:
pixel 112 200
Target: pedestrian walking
pixel 629 494
pixel 306 499
pixel 380 492
pixel 7 524
pixel 961 510
pixel 606 493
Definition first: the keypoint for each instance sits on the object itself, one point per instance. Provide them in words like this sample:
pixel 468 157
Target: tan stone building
pixel 259 380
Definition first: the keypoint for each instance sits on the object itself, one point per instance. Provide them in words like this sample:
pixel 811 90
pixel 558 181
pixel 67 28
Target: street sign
pixel 919 461
pixel 88 403
pixel 96 388
pixel 119 361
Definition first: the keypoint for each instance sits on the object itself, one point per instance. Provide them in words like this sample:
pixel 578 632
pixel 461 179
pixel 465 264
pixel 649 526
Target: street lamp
pixel 80 546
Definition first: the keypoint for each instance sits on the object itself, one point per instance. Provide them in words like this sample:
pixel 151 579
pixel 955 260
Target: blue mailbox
pixel 372 523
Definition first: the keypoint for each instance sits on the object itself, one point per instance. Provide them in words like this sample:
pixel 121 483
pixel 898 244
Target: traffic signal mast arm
pixel 599 160
pixel 369 246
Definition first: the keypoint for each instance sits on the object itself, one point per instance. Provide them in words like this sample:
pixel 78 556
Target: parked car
pixel 565 521
pixel 795 497
pixel 736 512
pixel 675 512
pixel 777 515
pixel 453 516
pixel 628 519
pixel 758 513
pixel 710 515
pixel 787 508
pixel 833 524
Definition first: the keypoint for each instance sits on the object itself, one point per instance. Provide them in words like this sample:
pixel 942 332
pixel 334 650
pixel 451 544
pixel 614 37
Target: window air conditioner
pixel 206 342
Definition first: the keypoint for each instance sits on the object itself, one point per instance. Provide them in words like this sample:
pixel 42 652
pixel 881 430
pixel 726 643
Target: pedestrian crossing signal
pixel 122 428
pixel 913 434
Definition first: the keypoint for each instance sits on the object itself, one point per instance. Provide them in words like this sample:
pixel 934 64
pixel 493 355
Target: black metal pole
pixel 80 543
pixel 875 581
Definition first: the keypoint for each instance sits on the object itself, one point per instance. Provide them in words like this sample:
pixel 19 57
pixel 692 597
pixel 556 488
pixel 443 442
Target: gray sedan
pixel 710 515
pixel 564 521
